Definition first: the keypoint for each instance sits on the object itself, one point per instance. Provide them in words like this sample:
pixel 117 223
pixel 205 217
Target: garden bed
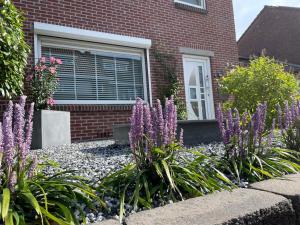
pixel 95 160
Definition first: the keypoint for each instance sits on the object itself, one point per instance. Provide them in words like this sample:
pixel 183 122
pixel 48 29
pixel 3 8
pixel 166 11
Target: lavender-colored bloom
pixel 19 123
pixel 160 118
pixel 230 125
pixel 32 167
pixel 28 135
pixel 287 115
pixel 293 111
pixel 279 112
pixel 8 137
pixel 154 125
pixel 220 119
pixel 181 137
pixel 12 181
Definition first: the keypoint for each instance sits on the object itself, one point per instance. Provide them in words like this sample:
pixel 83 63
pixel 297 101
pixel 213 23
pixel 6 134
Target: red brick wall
pixel 167 25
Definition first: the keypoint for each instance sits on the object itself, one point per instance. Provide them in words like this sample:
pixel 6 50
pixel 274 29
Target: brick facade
pixel 169 26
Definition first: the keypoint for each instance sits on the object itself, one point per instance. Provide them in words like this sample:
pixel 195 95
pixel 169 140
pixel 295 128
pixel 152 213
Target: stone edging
pixel 271 202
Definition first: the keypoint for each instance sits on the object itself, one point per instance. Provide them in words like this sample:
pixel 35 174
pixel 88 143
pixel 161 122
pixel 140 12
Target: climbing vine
pixel 172 85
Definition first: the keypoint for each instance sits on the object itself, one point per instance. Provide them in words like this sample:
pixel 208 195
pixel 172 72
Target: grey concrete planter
pixel 195 132
pixel 50 128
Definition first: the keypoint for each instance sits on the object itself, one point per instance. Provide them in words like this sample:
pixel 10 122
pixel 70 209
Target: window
pixel 194 3
pixel 95 74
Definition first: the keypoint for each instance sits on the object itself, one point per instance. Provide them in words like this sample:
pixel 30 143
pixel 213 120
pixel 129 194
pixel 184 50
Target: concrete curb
pixel 270 202
pixel 288 186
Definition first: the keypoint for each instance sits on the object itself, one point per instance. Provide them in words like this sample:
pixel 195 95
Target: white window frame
pixel 42 41
pixel 193 5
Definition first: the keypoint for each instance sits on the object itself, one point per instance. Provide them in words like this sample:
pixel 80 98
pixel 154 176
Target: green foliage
pixel 291 139
pixel 44 200
pixel 13 50
pixel 260 164
pixel 264 80
pixel 172 88
pixel 169 176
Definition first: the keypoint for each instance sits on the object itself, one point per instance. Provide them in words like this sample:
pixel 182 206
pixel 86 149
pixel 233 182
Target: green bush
pixel 13 50
pixel 264 80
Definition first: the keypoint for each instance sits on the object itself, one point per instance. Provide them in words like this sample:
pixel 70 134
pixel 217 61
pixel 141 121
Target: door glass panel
pixel 193 93
pixel 192 81
pixel 201 76
pixel 195 108
pixel 203 109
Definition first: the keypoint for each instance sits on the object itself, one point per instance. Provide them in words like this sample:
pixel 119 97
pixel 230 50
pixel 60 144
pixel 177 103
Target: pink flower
pixel 58 61
pixel 52 70
pixel 52 60
pixel 42 60
pixel 36 68
pixel 50 101
pixel 43 67
pixel 29 77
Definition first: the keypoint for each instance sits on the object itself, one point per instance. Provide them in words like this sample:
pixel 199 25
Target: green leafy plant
pixel 43 82
pixel 172 86
pixel 27 196
pixel 249 153
pixel 264 80
pixel 161 172
pixel 13 50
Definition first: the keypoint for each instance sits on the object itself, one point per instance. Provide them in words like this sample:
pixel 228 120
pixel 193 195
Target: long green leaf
pixel 5 202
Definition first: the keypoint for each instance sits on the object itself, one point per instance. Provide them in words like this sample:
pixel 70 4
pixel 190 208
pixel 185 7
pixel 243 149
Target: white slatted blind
pixel 97 76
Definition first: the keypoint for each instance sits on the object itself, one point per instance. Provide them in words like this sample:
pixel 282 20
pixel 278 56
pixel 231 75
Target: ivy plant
pixel 13 50
pixel 172 86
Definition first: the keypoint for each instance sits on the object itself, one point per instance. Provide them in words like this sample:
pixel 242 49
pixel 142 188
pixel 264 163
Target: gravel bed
pixel 94 160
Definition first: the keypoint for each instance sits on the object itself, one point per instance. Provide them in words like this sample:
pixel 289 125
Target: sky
pixel 245 11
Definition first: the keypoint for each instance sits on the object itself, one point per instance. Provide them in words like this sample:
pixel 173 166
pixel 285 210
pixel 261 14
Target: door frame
pixel 207 72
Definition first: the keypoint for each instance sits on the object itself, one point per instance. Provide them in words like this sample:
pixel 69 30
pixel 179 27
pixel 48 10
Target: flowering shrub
pixel 264 80
pixel 44 82
pixel 249 152
pixel 160 173
pixel 287 120
pixel 28 196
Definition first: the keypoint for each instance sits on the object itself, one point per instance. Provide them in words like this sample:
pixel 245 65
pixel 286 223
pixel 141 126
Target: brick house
pixel 107 48
pixel 275 31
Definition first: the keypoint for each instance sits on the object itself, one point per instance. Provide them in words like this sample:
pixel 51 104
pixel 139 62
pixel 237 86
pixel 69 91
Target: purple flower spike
pixel 29 126
pixel 181 138
pixel 12 181
pixel 160 118
pixel 279 112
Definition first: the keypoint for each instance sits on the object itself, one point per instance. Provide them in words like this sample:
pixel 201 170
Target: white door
pixel 198 88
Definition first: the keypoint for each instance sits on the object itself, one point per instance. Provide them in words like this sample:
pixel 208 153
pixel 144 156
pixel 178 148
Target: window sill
pixel 190 8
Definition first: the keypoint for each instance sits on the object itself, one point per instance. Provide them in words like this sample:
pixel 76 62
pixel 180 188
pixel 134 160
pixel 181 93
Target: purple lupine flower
pixel 230 122
pixel 1 145
pixel 171 119
pixel 279 112
pixel 33 166
pixel 298 108
pixel 148 122
pixel 8 137
pixel 29 126
pixel 19 123
pixel 160 118
pixel 287 115
pixel 292 111
pixel 154 125
pixel 181 137
pixel 12 181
